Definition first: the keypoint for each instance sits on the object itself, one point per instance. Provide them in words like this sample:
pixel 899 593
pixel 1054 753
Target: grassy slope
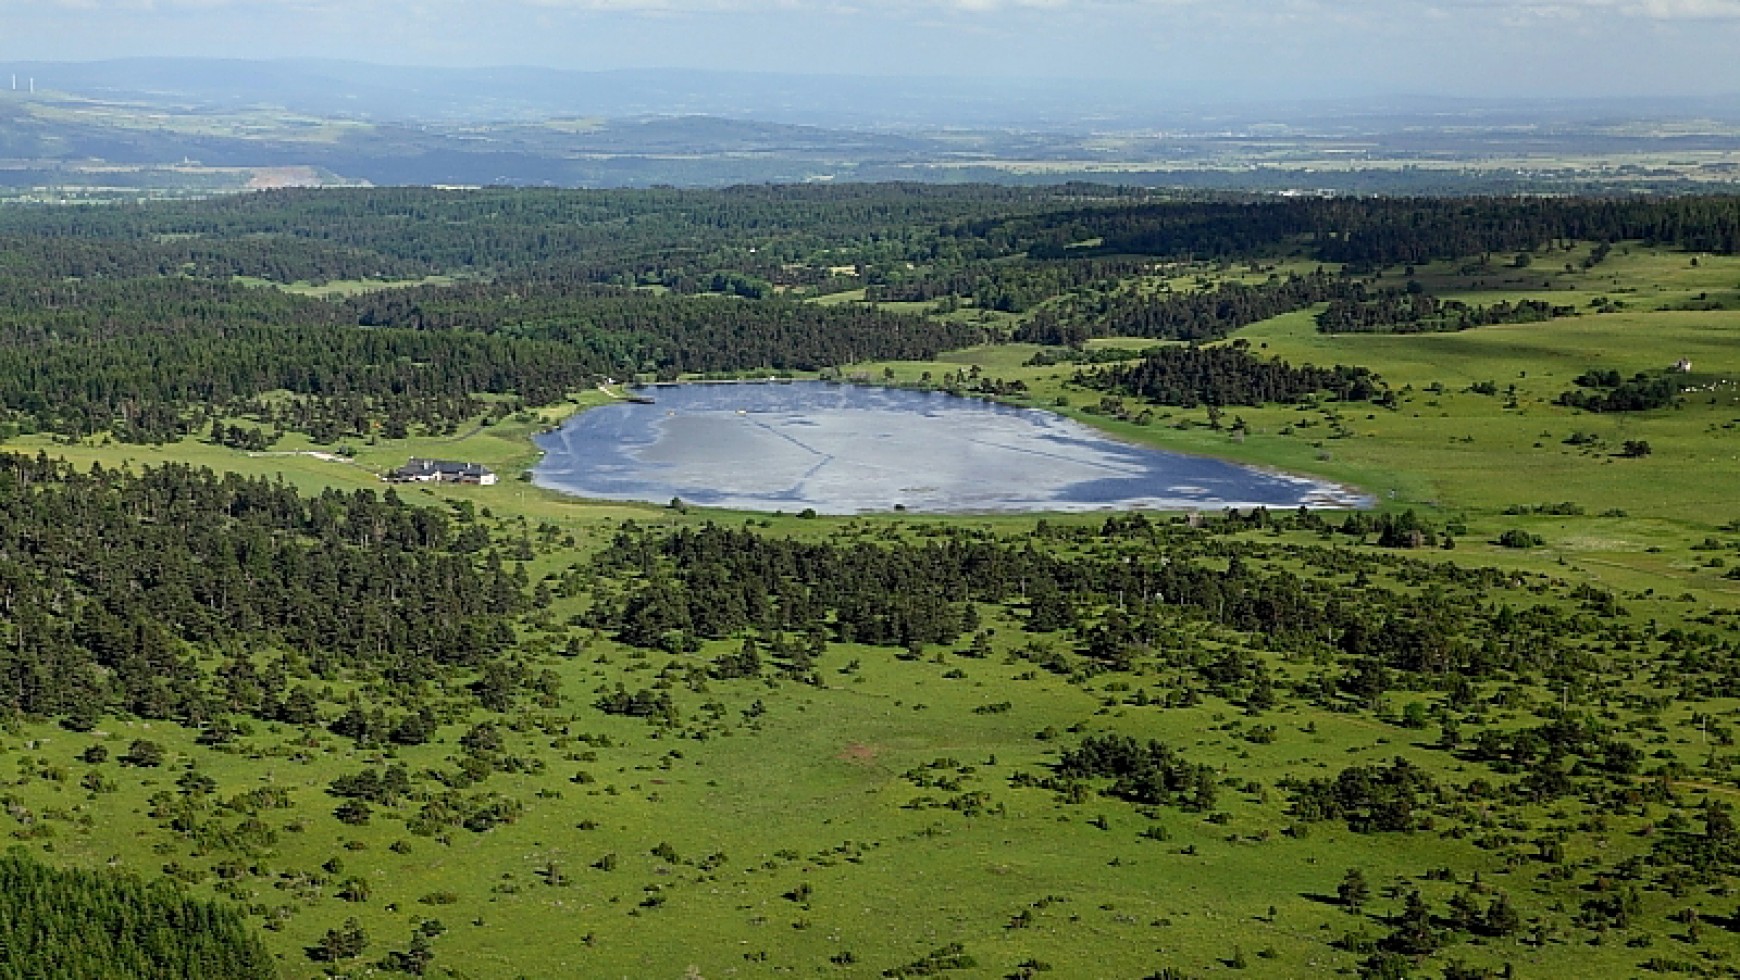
pixel 1467 455
pixel 816 797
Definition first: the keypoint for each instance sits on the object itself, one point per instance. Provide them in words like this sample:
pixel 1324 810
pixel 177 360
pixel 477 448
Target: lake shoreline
pixel 847 448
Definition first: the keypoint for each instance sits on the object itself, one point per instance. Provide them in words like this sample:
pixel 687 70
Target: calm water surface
pixel 845 449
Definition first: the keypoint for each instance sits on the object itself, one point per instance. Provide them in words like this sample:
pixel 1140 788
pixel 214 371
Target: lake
pixel 849 449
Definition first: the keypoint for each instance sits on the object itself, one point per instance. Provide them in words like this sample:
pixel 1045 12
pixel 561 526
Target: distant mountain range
pixel 165 125
pixel 494 95
pixel 477 95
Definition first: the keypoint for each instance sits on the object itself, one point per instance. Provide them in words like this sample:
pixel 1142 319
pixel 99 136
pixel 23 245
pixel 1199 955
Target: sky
pixel 1241 49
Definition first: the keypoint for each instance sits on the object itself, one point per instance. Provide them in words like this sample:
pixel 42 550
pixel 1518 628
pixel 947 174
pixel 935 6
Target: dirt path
pixel 316 454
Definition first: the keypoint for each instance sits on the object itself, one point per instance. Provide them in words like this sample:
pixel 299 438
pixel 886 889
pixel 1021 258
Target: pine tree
pixel 1354 891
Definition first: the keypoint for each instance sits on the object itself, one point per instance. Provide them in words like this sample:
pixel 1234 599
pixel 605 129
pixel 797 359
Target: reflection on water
pixel 844 449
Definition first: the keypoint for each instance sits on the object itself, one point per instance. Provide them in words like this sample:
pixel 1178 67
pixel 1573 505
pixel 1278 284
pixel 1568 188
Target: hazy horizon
pixel 1165 49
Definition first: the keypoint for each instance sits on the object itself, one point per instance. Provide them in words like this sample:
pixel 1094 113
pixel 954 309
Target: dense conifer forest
pixel 70 925
pixel 1231 375
pixel 115 581
pixel 135 320
pixel 1417 313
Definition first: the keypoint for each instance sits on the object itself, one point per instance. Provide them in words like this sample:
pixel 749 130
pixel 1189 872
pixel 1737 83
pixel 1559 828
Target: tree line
pixel 128 319
pixel 1605 391
pixel 1228 375
pixel 676 588
pixel 1367 231
pixel 149 359
pixel 1399 311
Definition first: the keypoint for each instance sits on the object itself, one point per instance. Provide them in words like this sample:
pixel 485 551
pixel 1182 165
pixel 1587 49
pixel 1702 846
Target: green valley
pixel 1485 728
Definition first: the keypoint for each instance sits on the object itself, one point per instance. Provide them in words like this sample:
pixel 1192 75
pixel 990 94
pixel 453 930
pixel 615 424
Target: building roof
pixel 440 467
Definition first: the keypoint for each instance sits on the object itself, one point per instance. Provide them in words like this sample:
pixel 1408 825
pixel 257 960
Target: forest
pixel 265 714
pixel 69 924
pixel 138 320
pixel 112 579
pixel 1230 375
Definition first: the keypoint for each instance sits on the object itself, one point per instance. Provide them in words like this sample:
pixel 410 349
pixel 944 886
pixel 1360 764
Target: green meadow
pixel 878 822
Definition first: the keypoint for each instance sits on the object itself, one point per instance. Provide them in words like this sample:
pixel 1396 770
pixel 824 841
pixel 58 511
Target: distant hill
pixel 412 94
pixel 198 126
pixel 385 93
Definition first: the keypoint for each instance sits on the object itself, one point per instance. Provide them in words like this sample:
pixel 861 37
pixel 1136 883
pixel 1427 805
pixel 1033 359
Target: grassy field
pixel 1449 450
pixel 793 842
pixel 795 829
pixel 340 288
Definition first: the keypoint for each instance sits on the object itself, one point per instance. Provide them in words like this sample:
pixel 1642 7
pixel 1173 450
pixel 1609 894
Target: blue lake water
pixel 848 449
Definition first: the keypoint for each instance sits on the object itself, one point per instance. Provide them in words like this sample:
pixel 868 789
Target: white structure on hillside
pixel 442 471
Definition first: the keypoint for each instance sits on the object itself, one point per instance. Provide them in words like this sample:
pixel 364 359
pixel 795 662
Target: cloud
pixel 1655 9
pixel 1260 11
pixel 1688 9
pixel 1576 9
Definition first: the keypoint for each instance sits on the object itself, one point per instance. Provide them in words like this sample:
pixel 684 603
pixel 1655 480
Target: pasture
pixel 885 820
